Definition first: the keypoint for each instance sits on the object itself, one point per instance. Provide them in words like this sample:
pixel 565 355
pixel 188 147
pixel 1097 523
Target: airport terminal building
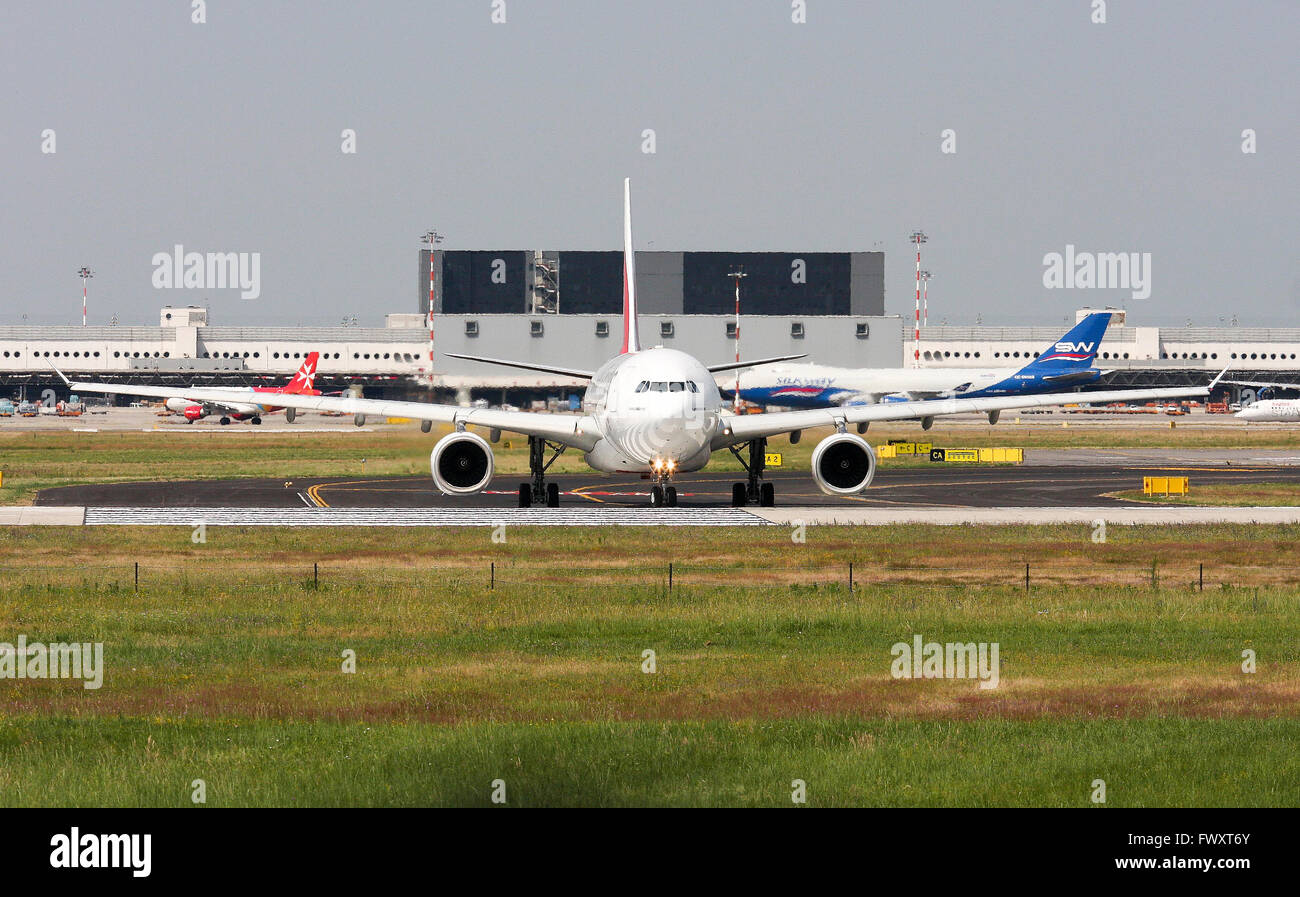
pixel 564 307
pixel 555 307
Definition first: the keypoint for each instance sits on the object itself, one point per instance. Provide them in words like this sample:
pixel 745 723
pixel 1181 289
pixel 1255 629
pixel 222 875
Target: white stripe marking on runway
pixel 580 516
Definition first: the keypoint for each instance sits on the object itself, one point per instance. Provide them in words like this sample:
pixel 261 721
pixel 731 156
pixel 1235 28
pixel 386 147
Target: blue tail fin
pixel 1076 351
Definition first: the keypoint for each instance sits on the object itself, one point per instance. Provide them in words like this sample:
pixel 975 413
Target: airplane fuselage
pixel 656 409
pixel 1272 410
pixel 816 386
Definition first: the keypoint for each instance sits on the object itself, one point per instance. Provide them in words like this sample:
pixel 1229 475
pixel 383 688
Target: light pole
pixel 918 238
pixel 85 274
pixel 432 238
pixel 737 274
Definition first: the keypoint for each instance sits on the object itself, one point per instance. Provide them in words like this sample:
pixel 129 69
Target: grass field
pixel 36 460
pixel 226 665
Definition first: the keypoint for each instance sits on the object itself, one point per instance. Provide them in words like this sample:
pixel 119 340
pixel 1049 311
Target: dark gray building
pixel 692 283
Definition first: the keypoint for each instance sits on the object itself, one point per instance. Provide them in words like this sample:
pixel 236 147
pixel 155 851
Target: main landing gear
pixel 753 491
pixel 539 492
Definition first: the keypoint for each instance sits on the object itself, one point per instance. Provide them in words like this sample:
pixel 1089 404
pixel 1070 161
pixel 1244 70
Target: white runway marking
pixel 578 516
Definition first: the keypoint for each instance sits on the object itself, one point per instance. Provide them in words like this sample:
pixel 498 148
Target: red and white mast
pixel 925 298
pixel 432 238
pixel 737 274
pixel 85 274
pixel 918 238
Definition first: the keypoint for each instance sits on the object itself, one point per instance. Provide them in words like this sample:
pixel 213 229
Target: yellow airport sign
pixel 1164 485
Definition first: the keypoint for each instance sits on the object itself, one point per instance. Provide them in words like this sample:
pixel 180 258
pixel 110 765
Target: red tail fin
pixel 305 379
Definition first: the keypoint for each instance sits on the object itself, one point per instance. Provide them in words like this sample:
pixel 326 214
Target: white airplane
pixel 193 404
pixel 654 412
pixel 1271 410
pixel 1268 409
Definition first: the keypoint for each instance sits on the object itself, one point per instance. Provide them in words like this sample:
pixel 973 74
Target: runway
pixel 941 486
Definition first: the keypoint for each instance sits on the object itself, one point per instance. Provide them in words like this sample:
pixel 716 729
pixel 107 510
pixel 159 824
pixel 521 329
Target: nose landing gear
pixel 753 491
pixel 663 496
pixel 539 492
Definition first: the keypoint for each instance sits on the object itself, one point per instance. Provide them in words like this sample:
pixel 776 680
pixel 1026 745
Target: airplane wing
pixel 752 426
pixel 571 429
pixel 528 366
pixel 1263 385
pixel 735 365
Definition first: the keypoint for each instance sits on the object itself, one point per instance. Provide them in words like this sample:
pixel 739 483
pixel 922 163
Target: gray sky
pixel 226 136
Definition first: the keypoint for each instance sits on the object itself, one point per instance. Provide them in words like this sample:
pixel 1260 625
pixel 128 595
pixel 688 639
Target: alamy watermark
pixel 950 660
pixel 57 660
pixel 1073 270
pixel 181 270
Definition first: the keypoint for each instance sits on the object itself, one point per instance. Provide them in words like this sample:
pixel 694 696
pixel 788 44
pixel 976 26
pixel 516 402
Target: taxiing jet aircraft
pixel 655 412
pixel 197 402
pixel 1263 410
pixel 1067 362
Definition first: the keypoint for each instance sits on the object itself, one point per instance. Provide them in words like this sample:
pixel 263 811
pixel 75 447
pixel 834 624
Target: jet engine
pixel 843 464
pixel 462 464
pixel 194 412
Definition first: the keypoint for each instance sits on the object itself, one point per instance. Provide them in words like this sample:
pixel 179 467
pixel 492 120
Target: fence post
pixel 670 576
pixel 1201 577
pixel 137 576
pixel 315 575
pixel 1026 577
pixel 492 582
pixel 850 577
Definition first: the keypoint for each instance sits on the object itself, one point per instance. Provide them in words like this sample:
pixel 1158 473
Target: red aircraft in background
pixel 196 404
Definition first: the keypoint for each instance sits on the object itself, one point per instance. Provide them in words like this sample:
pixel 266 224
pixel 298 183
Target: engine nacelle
pixel 194 412
pixel 462 464
pixel 843 464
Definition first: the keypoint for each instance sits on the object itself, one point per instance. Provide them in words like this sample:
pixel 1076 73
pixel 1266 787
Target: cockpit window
pixel 676 386
pixel 659 386
pixel 643 386
pixel 691 385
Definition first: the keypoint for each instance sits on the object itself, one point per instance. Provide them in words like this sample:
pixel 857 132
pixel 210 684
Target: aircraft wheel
pixel 525 495
pixel 256 420
pixel 767 495
pixel 670 494
pixel 225 422
pixel 552 495
pixel 738 499
pixel 656 496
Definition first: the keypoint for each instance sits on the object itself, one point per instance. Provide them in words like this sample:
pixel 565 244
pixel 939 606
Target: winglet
pixel 1215 381
pixel 66 381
